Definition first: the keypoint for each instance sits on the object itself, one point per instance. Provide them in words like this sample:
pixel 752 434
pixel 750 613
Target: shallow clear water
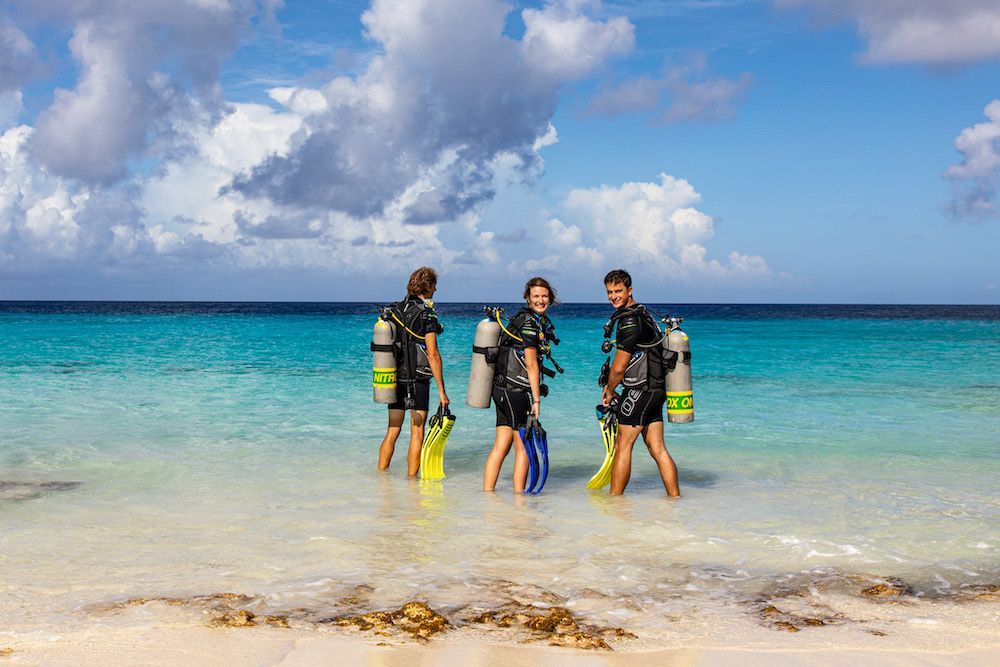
pixel 232 448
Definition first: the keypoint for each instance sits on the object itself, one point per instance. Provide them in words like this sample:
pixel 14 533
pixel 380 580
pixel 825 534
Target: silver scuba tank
pixel 384 363
pixel 677 358
pixel 484 364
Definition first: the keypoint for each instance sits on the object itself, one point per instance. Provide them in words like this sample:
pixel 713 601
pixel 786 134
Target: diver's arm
pixel 434 360
pixel 618 366
pixel 534 377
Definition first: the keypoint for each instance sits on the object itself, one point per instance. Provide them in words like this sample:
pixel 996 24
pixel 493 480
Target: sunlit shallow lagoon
pixel 181 450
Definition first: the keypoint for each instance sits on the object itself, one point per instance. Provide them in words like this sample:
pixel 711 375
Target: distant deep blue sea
pixel 185 448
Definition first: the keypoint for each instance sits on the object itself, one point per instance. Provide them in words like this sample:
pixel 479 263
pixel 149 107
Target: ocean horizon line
pixel 464 303
pixel 689 311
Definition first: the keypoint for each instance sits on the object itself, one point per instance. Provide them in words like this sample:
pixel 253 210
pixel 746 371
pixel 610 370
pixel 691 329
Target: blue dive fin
pixel 542 446
pixel 528 438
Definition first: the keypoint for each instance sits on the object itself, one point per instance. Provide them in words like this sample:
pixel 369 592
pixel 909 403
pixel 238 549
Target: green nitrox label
pixel 680 402
pixel 384 378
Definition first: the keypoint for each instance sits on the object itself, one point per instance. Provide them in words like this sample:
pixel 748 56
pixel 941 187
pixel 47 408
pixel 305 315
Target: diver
pixel 416 329
pixel 638 366
pixel 517 384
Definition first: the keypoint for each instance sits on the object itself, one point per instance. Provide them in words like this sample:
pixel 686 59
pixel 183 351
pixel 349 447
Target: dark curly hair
pixel 618 277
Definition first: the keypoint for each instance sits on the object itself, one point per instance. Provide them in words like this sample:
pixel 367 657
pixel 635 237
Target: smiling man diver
pixel 638 366
pixel 416 329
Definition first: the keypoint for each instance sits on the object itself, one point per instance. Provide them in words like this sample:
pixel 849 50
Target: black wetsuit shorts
pixel 512 406
pixel 421 393
pixel 639 408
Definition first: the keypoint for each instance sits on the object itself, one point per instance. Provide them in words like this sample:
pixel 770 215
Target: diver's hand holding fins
pixel 432 453
pixel 536 446
pixel 608 420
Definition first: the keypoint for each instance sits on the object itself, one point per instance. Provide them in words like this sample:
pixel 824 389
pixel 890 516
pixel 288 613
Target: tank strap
pixel 673 356
pixel 382 347
pixel 489 352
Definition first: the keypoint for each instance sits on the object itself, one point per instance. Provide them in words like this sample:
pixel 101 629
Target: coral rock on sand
pixel 241 618
pixel 981 593
pixel 891 588
pixel 414 617
pixel 558 626
pixel 233 619
pixel 780 620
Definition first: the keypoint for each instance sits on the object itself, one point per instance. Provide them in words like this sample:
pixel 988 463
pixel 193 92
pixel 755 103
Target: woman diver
pixel 517 385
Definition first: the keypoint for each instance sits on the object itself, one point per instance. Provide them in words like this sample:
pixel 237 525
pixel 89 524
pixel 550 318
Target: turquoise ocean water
pixel 190 449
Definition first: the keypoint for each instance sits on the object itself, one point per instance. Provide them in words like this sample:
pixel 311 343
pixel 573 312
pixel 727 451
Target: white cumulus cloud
pixel 975 178
pixel 564 44
pixel 447 99
pixel 145 69
pixel 389 167
pixel 655 227
pixel 917 31
pixel 45 217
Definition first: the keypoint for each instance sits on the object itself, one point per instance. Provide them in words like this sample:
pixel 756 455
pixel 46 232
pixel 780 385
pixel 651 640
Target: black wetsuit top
pixel 421 319
pixel 637 334
pixel 511 372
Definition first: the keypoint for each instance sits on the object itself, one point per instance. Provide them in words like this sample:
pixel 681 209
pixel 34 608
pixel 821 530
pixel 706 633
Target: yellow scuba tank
pixel 384 362
pixel 484 363
pixel 677 359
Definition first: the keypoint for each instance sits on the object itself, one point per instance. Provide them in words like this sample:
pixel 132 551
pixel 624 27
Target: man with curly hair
pixel 418 361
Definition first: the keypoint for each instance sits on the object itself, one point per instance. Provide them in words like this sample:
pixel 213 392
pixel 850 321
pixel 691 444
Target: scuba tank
pixel 484 362
pixel 384 362
pixel 677 362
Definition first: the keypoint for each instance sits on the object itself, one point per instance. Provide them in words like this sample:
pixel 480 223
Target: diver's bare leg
pixel 417 420
pixel 621 470
pixel 501 446
pixel 652 435
pixel 388 445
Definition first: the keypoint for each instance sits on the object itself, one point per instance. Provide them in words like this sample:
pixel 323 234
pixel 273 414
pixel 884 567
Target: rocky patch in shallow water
pixel 11 490
pixel 889 588
pixel 556 625
pixel 415 618
pixel 776 619
pixel 241 618
pixel 985 593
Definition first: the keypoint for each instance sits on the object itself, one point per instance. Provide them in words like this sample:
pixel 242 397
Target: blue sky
pixel 721 150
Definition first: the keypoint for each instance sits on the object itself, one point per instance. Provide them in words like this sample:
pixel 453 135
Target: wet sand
pixel 272 646
pixel 222 628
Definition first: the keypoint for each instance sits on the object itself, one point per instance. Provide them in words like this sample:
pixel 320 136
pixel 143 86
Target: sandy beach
pixel 218 629
pixel 166 645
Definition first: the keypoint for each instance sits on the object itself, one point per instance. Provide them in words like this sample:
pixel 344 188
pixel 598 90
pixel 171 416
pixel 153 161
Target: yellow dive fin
pixel 432 452
pixel 609 433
